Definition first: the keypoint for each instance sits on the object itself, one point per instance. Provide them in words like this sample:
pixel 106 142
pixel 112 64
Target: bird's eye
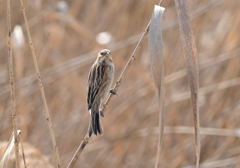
pixel 102 53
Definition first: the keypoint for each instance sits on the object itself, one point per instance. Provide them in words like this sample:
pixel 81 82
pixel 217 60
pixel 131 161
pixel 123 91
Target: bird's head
pixel 104 56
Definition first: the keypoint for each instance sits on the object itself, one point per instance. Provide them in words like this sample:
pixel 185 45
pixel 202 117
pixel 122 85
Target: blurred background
pixel 67 35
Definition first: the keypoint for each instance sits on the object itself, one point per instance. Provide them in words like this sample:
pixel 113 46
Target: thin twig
pixel 115 89
pixel 23 154
pixel 12 85
pixel 41 88
pixel 78 152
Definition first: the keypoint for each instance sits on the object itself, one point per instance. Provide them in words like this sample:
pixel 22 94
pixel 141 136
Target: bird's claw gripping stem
pixel 113 92
pixel 101 113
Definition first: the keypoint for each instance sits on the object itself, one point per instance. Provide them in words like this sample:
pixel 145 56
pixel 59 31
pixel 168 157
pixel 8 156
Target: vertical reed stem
pixel 48 118
pixel 12 85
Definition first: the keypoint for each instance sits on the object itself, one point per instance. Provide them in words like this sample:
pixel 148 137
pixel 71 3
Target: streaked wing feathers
pixel 95 83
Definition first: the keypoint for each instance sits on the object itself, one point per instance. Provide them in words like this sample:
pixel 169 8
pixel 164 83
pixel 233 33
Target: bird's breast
pixel 109 69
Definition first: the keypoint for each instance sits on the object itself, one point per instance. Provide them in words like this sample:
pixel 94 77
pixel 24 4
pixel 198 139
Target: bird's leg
pixel 113 92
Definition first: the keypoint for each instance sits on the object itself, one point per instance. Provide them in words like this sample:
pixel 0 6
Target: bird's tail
pixel 95 125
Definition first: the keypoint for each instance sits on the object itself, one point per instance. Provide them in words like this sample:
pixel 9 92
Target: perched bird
pixel 99 83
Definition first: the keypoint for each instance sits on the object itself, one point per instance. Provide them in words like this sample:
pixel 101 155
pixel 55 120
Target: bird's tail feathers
pixel 95 125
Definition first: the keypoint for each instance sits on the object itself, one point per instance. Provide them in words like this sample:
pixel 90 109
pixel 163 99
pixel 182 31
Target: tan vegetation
pixel 35 158
pixel 65 47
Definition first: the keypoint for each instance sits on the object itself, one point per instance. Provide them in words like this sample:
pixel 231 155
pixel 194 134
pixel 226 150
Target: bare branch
pixel 79 151
pixel 48 118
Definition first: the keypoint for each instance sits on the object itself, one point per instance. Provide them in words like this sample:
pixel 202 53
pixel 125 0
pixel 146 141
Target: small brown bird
pixel 99 82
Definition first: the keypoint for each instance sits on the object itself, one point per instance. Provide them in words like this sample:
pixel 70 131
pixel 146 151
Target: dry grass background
pixel 62 42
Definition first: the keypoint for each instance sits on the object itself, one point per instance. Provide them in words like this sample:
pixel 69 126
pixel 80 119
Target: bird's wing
pixel 96 81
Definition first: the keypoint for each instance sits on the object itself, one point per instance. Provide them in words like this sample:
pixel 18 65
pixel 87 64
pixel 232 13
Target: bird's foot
pixel 101 113
pixel 113 92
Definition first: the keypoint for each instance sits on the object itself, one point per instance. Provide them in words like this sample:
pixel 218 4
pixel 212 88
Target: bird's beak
pixel 108 54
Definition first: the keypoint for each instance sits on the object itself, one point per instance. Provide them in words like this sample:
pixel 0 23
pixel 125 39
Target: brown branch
pixel 191 61
pixel 48 118
pixel 79 151
pixel 12 85
pixel 110 96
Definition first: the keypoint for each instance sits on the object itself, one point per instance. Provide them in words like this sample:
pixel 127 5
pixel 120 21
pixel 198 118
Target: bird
pixel 99 84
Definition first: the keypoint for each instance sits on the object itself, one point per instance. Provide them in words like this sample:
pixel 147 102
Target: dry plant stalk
pixel 79 151
pixel 155 46
pixel 41 88
pixel 110 96
pixel 18 42
pixel 12 85
pixel 23 154
pixel 191 61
